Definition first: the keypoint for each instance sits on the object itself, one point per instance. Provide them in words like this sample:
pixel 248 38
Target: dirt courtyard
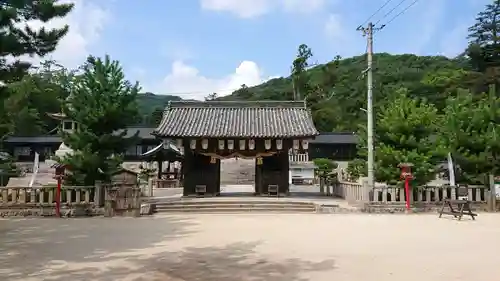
pixel 257 247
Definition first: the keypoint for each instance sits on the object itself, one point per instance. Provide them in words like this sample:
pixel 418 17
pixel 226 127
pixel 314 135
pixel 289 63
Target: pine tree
pixel 484 48
pixel 405 133
pixel 299 76
pixel 470 131
pixel 103 104
pixel 17 39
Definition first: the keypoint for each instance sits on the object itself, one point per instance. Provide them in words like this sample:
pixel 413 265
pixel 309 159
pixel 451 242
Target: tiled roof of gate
pixel 247 119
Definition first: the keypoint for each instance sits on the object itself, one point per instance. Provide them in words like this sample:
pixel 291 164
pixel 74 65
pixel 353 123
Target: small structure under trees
pixel 169 153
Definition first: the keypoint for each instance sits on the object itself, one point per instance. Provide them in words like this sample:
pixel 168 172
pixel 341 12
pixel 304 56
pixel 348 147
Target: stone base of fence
pixel 76 211
pixel 416 208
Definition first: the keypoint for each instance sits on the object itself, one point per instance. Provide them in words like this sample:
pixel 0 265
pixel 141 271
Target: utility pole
pixel 368 33
pixel 293 83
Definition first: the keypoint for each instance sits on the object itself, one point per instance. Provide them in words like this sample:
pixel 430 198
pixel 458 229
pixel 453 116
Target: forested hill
pixel 342 87
pixel 339 87
pixel 150 104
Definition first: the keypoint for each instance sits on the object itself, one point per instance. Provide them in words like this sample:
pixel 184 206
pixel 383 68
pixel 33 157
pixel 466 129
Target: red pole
pixel 407 189
pixel 58 197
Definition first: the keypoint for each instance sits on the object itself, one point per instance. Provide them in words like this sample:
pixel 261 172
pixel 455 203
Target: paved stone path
pixel 254 247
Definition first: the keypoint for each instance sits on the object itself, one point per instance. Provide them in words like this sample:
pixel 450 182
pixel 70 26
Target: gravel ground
pixel 251 247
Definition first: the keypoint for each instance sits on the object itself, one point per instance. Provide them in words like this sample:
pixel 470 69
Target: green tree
pixel 324 167
pixel 299 76
pixel 243 92
pixel 156 116
pixel 18 40
pixel 471 132
pixel 103 104
pixel 36 94
pixel 484 40
pixel 405 133
pixel 324 171
pixel 211 97
pixel 8 168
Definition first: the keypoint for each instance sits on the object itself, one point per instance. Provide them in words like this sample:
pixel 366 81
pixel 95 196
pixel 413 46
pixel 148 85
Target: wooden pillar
pixel 218 177
pixel 284 184
pixel 160 169
pixel 258 179
pixel 189 174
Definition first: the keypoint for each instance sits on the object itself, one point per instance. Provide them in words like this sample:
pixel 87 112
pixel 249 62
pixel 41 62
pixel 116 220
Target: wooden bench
pixel 273 190
pixel 200 190
pixel 462 205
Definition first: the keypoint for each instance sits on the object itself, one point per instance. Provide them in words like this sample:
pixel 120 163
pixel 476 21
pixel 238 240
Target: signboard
pixel 451 170
pixel 36 165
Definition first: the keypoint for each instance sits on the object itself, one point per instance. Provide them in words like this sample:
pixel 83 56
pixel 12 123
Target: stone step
pixel 237 210
pixel 235 206
pixel 236 202
pixel 222 206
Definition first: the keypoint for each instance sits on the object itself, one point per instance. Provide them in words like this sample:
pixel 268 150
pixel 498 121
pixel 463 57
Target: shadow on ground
pixel 145 249
pixel 235 262
pixel 36 248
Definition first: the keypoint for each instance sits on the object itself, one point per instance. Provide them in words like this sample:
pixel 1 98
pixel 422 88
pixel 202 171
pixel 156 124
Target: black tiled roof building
pixel 237 119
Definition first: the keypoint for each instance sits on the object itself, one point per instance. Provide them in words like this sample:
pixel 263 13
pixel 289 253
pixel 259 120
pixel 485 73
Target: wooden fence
pixel 425 196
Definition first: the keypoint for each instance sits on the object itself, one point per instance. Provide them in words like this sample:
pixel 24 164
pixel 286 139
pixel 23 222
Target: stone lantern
pixel 67 126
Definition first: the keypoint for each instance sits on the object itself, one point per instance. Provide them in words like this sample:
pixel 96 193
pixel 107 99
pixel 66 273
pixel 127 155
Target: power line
pixel 376 12
pixel 390 11
pixel 400 13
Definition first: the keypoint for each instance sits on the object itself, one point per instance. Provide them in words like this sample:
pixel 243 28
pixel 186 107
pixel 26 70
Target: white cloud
pixel 86 22
pixel 186 81
pixel 255 8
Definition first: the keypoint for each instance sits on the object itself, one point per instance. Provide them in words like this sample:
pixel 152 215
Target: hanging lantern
pixel 296 144
pixel 213 160
pixel 305 144
pixel 251 144
pixel 259 160
pixel 221 144
pixel 267 144
pixel 179 143
pixel 230 144
pixel 279 144
pixel 242 144
pixel 204 143
pixel 193 144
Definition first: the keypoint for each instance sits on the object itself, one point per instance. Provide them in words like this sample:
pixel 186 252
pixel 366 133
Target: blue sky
pixel 195 47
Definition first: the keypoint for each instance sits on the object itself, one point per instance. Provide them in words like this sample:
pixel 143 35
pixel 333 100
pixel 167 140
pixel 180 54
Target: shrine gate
pixel 209 131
